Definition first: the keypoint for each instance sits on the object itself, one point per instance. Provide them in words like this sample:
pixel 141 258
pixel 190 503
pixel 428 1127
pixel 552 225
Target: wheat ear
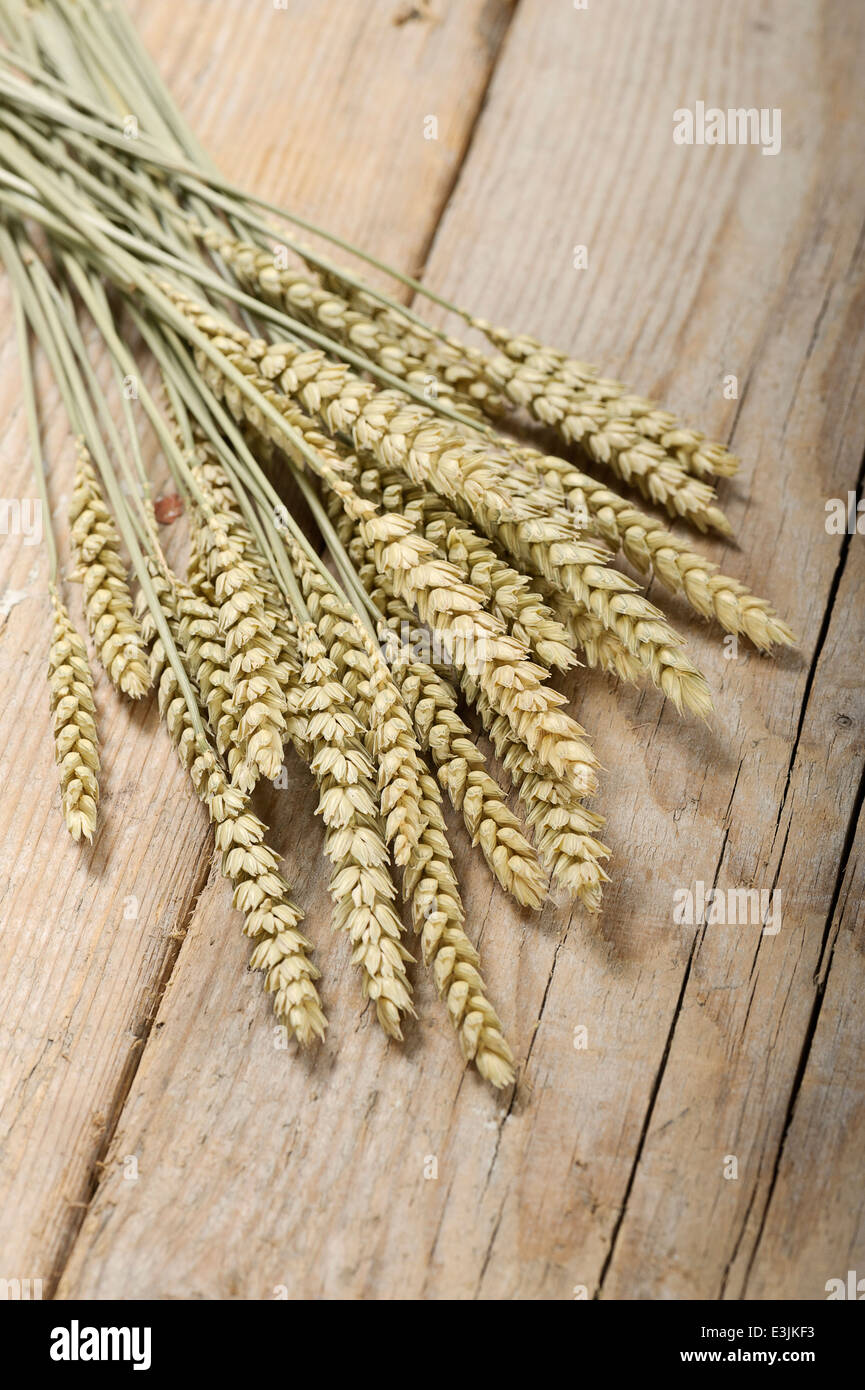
pixel 402 435
pixel 565 831
pixel 580 569
pixel 651 548
pixel 682 445
pixel 75 740
pixel 214 483
pixel 571 626
pixel 475 639
pixel 255 677
pixel 107 599
pixel 388 734
pixel 437 914
pixel 600 646
pixel 320 302
pixel 509 593
pixel 271 919
pixel 639 440
pixel 462 772
pixel 637 437
pixel 361 886
pixel 461 766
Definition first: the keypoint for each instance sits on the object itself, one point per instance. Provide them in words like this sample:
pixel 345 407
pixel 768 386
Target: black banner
pixel 277 1338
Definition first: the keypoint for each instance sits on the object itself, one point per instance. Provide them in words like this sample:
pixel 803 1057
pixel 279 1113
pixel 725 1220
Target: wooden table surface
pixel 706 1141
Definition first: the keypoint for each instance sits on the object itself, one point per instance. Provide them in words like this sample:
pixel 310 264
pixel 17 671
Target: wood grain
pixel 369 1170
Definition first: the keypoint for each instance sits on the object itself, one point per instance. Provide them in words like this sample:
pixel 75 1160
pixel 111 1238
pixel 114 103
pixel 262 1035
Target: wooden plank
pixel 79 982
pixel 815 1226
pixel 602 1173
pixel 731 1071
pixel 813 1229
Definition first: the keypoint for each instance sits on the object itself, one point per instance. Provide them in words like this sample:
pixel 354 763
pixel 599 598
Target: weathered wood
pixel 287 111
pixel 730 1074
pixel 604 1172
pixel 813 1229
pixel 605 1169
